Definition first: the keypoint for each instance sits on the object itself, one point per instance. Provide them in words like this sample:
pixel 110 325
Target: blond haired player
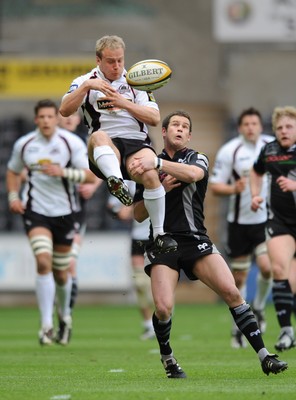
pixel 118 117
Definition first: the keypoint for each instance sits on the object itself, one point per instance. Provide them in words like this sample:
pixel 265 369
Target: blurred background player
pixel 139 238
pixel 245 229
pixel 278 160
pixel 84 191
pixel 55 160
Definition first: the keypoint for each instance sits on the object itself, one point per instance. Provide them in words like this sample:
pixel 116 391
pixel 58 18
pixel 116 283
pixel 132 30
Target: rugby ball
pixel 148 75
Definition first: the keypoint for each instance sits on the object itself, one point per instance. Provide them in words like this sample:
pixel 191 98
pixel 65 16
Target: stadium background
pixel 225 55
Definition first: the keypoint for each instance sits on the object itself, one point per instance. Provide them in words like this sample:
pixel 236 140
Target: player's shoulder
pixel 23 140
pixel 266 138
pixel 77 82
pixel 229 147
pixel 198 156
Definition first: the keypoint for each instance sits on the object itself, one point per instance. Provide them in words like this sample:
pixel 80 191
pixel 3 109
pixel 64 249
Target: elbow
pixel 90 177
pixel 64 112
pixel 214 190
pixel 155 119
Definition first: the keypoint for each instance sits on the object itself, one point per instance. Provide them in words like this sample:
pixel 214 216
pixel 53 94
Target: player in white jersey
pixel 55 160
pixel 246 229
pixel 118 117
pixel 84 192
pixel 139 238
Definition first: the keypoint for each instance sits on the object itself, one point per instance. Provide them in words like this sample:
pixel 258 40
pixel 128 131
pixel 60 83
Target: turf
pixel 106 360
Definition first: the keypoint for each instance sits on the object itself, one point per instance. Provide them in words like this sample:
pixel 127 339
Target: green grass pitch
pixel 106 359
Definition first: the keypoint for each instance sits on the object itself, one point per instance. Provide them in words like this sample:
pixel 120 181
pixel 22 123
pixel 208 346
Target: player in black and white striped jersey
pixel 118 117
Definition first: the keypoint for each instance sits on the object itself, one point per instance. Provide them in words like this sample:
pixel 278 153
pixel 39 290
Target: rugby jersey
pixel 234 161
pixel 115 122
pixel 277 161
pixel 48 195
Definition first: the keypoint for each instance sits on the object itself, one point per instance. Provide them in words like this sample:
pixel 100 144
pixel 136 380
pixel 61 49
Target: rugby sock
pixel 45 293
pixel 283 301
pixel 243 292
pixel 107 161
pixel 162 331
pixel 64 296
pixel 247 324
pixel 154 200
pixel 263 289
pixel 147 324
pixel 74 292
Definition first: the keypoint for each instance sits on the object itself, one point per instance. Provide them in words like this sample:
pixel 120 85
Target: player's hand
pixel 169 183
pixel 16 207
pixel 240 185
pixel 286 184
pixel 256 203
pixel 101 85
pixel 52 170
pixel 86 190
pixel 141 164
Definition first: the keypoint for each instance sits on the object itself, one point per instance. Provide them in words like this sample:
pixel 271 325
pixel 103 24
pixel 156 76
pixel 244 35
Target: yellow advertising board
pixel 34 78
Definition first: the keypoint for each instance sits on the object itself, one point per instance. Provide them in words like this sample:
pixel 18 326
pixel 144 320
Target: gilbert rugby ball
pixel 148 75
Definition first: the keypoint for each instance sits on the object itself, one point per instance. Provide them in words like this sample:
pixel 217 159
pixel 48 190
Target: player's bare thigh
pixel 213 271
pixel 100 138
pixel 148 178
pixel 281 250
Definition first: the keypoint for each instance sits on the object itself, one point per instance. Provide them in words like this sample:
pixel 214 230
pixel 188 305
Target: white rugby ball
pixel 148 75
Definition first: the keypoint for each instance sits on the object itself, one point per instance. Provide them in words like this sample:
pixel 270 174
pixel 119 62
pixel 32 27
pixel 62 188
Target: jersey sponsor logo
pixel 203 247
pixel 283 158
pixel 40 164
pixel 103 104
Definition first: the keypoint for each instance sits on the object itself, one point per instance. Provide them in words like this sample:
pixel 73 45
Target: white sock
pixel 154 200
pixel 147 324
pixel 107 161
pixel 45 292
pixel 243 291
pixel 64 297
pixel 262 292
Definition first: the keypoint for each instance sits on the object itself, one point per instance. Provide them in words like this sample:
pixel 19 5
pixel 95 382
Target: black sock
pixel 247 324
pixel 283 301
pixel 74 293
pixel 162 331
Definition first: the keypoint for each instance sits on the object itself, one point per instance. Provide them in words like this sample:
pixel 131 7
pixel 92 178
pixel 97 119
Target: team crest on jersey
pixel 123 89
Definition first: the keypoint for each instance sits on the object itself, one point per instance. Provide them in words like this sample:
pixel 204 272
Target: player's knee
pixel 163 309
pixel 98 138
pixel 150 179
pixel 61 261
pixel 42 249
pixel 231 295
pixel 143 288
